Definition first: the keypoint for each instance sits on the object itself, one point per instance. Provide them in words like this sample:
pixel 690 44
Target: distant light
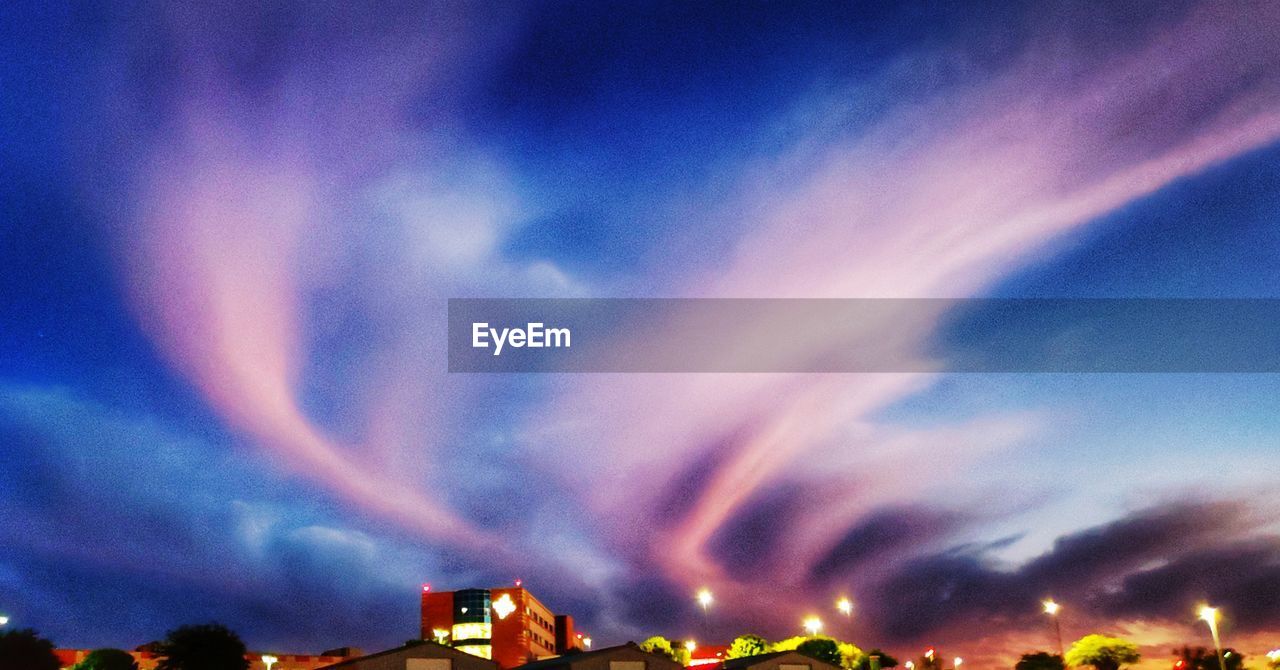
pixel 911 665
pixel 929 654
pixel 426 588
pixel 704 598
pixel 519 582
pixel 845 606
pixel 958 661
pixel 269 660
pixel 1051 608
pixel 1209 614
pixel 813 625
pixel 579 636
pixel 586 642
pixel 1274 654
pixel 441 635
pixel 690 645
pixel 4 620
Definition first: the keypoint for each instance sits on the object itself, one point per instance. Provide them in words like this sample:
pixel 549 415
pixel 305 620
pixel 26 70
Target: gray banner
pixel 864 335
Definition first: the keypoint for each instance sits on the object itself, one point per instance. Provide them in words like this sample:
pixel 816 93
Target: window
pixel 428 664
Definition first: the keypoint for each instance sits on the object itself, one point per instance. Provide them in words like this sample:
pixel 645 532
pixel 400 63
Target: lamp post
pixel 1052 608
pixel 269 660
pixel 705 599
pixel 845 607
pixel 1210 616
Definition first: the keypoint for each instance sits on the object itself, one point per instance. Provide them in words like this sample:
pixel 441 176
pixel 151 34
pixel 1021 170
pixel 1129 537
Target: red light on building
pixel 426 588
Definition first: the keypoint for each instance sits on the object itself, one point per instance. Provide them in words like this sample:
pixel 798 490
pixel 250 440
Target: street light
pixel 269 660
pixel 690 646
pixel 958 661
pixel 911 665
pixel 1210 616
pixel 1052 608
pixel 705 599
pixel 4 620
pixel 845 607
pixel 813 625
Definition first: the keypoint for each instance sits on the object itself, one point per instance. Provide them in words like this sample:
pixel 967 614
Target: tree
pixel 108 659
pixel 1201 658
pixel 661 646
pixel 203 647
pixel 748 645
pixel 823 649
pixel 25 650
pixel 1040 660
pixel 1102 652
pixel 864 662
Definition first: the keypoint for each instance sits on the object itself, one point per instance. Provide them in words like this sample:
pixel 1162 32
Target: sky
pixel 229 233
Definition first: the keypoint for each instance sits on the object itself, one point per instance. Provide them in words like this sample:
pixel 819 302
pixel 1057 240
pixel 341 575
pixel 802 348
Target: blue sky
pixel 229 233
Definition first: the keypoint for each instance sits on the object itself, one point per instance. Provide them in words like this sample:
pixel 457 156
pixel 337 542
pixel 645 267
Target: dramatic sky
pixel 228 235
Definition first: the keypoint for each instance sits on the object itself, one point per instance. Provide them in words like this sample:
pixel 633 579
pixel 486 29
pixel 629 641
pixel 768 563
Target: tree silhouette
pixel 25 650
pixel 1202 658
pixel 1040 660
pixel 203 647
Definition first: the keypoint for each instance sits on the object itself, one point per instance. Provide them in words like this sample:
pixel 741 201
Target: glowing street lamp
pixel 4 620
pixel 704 599
pixel 845 607
pixel 586 642
pixel 911 665
pixel 1210 616
pixel 269 660
pixel 813 625
pixel 1052 608
pixel 958 662
pixel 690 646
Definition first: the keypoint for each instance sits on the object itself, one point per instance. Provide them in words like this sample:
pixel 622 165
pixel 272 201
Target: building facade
pixel 418 656
pixel 508 625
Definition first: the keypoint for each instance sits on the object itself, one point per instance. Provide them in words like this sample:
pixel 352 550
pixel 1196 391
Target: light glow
pixel 704 598
pixel 269 660
pixel 845 606
pixel 1051 608
pixel 1209 614
pixel 813 625
pixel 504 606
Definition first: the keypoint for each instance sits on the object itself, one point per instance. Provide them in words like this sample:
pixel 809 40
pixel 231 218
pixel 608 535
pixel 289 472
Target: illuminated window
pixel 481 650
pixel 464 633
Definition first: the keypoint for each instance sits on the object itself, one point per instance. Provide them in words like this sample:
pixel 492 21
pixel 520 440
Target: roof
pixel 447 652
pixel 574 657
pixel 747 661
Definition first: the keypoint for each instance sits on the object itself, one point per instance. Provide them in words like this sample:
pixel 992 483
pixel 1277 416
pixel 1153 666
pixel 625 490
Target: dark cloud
pixel 880 533
pixel 1155 564
pixel 755 538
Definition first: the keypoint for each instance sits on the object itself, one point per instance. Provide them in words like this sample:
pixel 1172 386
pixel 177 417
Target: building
pixel 626 657
pixel 778 660
pixel 508 625
pixel 422 655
